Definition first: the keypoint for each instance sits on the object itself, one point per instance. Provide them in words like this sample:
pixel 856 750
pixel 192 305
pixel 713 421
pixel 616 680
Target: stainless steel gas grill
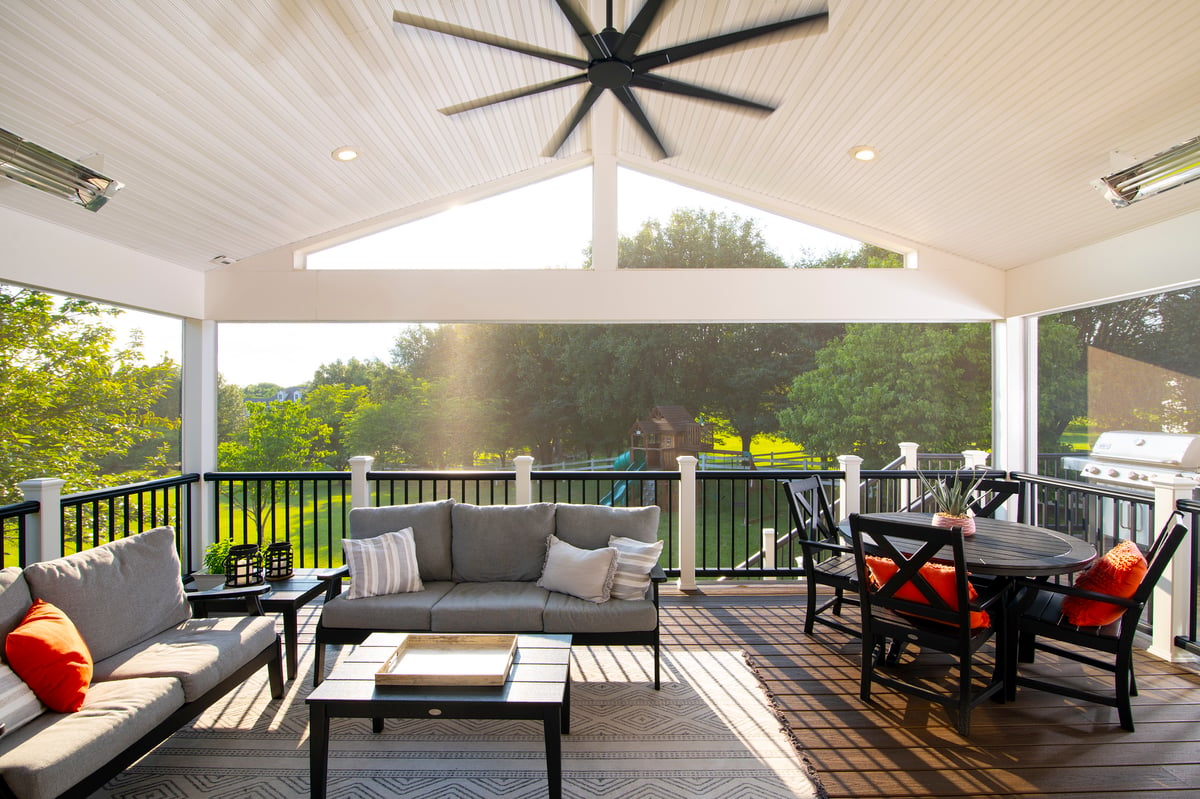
pixel 1133 459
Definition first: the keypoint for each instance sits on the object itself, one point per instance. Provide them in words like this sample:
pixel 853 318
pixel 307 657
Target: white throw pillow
pixel 635 559
pixel 18 704
pixel 384 564
pixel 583 573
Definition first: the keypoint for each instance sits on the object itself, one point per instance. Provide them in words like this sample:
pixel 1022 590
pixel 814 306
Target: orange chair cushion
pixel 48 653
pixel 1118 573
pixel 940 578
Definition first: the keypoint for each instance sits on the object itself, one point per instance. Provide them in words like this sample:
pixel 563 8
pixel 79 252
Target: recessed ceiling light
pixel 345 154
pixel 863 153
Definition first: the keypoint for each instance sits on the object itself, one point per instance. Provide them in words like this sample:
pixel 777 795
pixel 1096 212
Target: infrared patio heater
pixel 27 163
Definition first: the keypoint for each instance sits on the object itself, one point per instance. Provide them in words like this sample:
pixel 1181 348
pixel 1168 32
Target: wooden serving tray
pixel 449 659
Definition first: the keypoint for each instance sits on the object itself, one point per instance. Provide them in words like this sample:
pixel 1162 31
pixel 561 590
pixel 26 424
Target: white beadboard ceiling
pixel 991 118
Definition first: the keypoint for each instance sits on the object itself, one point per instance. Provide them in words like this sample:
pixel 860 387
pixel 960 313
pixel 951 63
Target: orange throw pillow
pixel 48 653
pixel 940 579
pixel 1118 573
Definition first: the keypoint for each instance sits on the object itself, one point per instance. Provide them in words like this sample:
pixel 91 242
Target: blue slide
pixel 623 463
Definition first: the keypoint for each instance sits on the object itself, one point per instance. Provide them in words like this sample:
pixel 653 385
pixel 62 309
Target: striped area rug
pixel 708 734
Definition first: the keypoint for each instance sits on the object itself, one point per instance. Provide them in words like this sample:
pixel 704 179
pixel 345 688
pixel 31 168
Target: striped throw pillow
pixel 635 559
pixel 18 704
pixel 384 564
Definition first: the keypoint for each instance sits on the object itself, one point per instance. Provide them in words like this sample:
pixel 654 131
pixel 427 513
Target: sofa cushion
pixel 140 575
pixel 199 653
pixel 385 564
pixel 54 751
pixel 18 704
pixel 589 526
pixel 504 607
pixel 566 614
pixel 583 573
pixel 400 612
pixel 635 559
pixel 50 656
pixel 14 600
pixel 430 523
pixel 500 542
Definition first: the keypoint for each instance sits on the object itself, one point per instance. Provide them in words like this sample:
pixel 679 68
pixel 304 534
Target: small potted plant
pixel 215 555
pixel 952 496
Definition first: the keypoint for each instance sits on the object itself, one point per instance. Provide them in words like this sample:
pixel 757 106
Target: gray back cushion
pixel 589 526
pixel 430 523
pixel 117 594
pixel 14 601
pixel 500 542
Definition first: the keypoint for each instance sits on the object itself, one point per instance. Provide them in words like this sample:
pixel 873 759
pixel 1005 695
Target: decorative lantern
pixel 278 560
pixel 243 566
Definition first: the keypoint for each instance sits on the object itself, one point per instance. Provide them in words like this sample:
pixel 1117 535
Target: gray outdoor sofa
pixel 156 668
pixel 480 565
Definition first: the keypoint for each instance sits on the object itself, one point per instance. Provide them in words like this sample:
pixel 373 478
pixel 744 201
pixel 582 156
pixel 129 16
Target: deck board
pixel 1042 745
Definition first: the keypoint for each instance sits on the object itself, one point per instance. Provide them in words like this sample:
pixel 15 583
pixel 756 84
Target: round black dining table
pixel 1012 549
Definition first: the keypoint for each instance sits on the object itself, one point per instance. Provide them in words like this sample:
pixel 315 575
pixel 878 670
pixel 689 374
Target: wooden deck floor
pixel 1040 746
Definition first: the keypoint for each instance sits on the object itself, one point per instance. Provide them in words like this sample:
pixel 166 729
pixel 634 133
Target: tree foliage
pixel 70 400
pixel 280 436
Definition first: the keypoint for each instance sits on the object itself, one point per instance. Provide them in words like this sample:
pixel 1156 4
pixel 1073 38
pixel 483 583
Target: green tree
pixel 334 405
pixel 280 437
pixel 693 238
pixel 68 398
pixel 231 411
pixel 881 384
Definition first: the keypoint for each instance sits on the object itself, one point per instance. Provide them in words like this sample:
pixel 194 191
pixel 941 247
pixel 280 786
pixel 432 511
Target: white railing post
pixel 687 522
pixel 975 459
pixel 908 451
pixel 524 467
pixel 360 494
pixel 768 550
pixel 1170 600
pixel 45 537
pixel 852 466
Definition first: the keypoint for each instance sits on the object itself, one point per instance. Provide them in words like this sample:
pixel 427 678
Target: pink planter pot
pixel 967 523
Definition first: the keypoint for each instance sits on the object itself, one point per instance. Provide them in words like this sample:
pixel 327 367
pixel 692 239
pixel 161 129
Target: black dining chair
pixel 825 554
pixel 908 608
pixel 1038 625
pixel 992 492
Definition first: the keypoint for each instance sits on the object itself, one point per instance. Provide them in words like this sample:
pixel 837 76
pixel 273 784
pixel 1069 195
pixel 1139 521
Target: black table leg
pixel 566 704
pixel 318 750
pixel 289 641
pixel 553 733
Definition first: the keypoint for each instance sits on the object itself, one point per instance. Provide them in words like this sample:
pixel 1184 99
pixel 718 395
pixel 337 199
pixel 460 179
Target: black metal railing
pixel 14 530
pixel 92 518
pixel 1101 515
pixel 478 488
pixel 1191 639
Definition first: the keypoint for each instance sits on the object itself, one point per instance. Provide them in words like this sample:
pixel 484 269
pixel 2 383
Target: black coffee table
pixel 538 687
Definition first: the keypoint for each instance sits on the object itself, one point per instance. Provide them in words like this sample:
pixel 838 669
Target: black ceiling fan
pixel 613 63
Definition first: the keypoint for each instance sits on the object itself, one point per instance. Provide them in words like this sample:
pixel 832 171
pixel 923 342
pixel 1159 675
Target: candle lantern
pixel 278 560
pixel 243 566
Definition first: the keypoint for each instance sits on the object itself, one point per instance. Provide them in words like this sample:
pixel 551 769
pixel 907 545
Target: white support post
pixel 360 493
pixel 687 522
pixel 1170 600
pixel 199 418
pixel 45 539
pixel 524 467
pixel 768 550
pixel 852 466
pixel 908 451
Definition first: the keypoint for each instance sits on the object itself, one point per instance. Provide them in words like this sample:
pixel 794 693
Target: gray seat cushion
pixel 410 611
pixel 500 542
pixel 430 523
pixel 199 653
pixel 567 614
pixel 138 575
pixel 589 526
pixel 56 750
pixel 506 607
pixel 14 601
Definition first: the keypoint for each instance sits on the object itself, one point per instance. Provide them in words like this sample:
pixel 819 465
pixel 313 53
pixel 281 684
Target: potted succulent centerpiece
pixel 215 555
pixel 952 497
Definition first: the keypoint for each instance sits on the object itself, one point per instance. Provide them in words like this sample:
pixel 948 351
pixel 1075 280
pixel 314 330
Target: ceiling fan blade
pixel 437 26
pixel 635 109
pixel 572 122
pixel 680 52
pixel 513 94
pixel 661 84
pixel 632 38
pixel 591 42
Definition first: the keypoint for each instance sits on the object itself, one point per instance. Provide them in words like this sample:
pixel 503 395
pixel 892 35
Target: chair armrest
pixel 657 574
pixel 249 595
pixel 333 580
pixel 807 544
pixel 1070 590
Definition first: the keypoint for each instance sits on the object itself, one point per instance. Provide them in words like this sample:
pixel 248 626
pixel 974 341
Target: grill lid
pixel 1173 450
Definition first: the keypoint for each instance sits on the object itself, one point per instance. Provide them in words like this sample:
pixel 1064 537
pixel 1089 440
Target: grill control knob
pixel 1092 470
pixel 1135 476
pixel 1113 473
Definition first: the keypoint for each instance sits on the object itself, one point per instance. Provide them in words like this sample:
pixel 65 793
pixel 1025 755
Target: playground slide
pixel 623 463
